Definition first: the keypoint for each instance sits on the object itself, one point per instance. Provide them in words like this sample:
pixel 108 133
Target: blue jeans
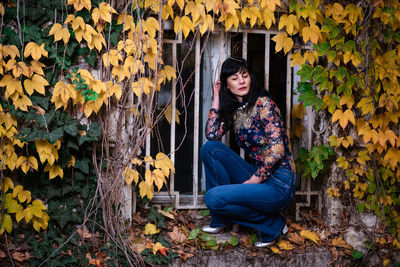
pixel 230 201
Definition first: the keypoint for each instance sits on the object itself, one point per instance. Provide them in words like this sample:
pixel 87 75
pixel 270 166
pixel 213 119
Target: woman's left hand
pixel 253 180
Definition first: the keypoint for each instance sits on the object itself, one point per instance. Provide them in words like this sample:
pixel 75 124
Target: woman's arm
pixel 215 129
pixel 273 149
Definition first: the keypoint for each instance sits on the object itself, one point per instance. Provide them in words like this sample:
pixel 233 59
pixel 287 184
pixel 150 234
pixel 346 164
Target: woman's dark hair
pixel 228 101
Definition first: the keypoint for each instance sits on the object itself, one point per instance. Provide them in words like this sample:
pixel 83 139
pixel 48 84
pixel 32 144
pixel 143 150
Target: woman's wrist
pixel 215 104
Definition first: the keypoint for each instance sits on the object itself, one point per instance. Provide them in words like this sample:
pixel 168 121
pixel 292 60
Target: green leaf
pixel 168 208
pixel 361 207
pixel 40 101
pixel 193 234
pixel 53 136
pixel 253 239
pixel 356 254
pixel 72 129
pixel 204 213
pixel 83 165
pixel 322 48
pixel 233 241
pixel 91 59
pixel 305 72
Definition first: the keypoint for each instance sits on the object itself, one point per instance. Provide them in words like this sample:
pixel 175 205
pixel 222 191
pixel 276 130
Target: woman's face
pixel 239 84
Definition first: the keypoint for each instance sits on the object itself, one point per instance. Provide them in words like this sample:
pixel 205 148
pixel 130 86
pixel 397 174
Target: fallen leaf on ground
pixel 84 233
pixel 295 226
pixel 2 254
pixel 158 247
pixel 20 257
pixel 139 244
pixel 339 242
pixel 166 214
pixel 177 235
pixel 313 236
pixel 138 219
pixel 285 245
pixel 150 229
pixel 296 239
pixel 275 250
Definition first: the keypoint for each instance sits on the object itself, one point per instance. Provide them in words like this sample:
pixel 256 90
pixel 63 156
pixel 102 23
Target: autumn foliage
pixel 348 54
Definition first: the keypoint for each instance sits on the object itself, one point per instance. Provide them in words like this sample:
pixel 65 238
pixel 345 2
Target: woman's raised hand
pixel 216 88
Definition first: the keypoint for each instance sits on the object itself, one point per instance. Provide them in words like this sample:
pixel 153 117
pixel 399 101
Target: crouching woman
pixel 237 191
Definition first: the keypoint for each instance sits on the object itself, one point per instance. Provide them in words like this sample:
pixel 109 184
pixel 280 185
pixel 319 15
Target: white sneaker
pixel 212 230
pixel 259 244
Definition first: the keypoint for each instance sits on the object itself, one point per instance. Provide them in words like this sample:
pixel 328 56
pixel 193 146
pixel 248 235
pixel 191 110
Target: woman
pixel 239 192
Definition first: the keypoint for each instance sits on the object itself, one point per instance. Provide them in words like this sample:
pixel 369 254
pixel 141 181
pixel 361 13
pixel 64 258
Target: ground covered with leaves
pixel 164 235
pixel 170 233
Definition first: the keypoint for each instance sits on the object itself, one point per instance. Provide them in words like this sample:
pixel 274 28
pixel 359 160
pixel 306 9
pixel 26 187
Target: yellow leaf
pixel 150 229
pixel 146 190
pixel 168 114
pixel 164 163
pixel 270 4
pixel 339 242
pixel 298 111
pixel 46 151
pixel 283 41
pixel 27 163
pixel 313 236
pixel 54 171
pixel 28 213
pixel 17 190
pixel 290 22
pixel 36 83
pixel 40 222
pixel 63 92
pixel 347 185
pixel 253 14
pixel 181 3
pixel 6 223
pixel 19 215
pixel 285 245
pixel 39 204
pixel 35 51
pixel 12 85
pixel 311 33
pixel 143 85
pixel 24 195
pixel 275 250
pixel 297 59
pixel 8 183
pixel 59 33
pixel 80 4
pixel 10 50
pixel 159 178
pixel 97 41
pixel 21 101
pixel 37 66
pixel 231 20
pixel 268 17
pixel 158 247
pixel 385 262
pixel 342 163
pixel 113 57
pixel 131 175
pixel 71 162
pixel 391 137
pixel 186 25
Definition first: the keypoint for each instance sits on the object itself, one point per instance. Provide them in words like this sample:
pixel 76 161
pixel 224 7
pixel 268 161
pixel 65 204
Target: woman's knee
pixel 209 147
pixel 213 199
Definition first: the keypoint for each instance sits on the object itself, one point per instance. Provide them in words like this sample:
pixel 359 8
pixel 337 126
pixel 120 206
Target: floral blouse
pixel 260 132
